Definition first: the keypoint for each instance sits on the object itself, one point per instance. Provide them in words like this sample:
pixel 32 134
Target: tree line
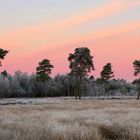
pixel 75 83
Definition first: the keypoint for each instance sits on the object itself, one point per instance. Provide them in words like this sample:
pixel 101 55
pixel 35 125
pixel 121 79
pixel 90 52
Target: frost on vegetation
pixel 24 85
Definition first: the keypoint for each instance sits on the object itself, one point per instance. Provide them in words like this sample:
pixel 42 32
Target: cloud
pixel 35 36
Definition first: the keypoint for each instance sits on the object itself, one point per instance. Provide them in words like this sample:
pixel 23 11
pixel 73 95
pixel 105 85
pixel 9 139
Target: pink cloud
pixel 45 32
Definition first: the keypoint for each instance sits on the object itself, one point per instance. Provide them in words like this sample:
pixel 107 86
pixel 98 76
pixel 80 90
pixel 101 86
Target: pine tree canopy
pixel 136 65
pixel 44 70
pixel 107 72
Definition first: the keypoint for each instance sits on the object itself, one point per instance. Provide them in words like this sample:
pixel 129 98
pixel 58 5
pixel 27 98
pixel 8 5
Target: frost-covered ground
pixel 38 101
pixel 69 119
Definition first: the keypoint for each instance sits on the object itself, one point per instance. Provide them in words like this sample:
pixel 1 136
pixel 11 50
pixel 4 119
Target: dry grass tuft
pixel 61 119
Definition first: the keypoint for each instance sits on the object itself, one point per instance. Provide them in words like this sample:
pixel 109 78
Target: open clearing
pixel 69 119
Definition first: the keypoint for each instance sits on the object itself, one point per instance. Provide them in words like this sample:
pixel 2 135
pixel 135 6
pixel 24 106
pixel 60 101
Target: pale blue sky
pixel 15 13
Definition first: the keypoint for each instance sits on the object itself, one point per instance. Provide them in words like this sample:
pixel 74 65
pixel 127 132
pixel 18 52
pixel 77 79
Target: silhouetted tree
pixel 81 64
pixel 2 54
pixel 106 75
pixel 107 72
pixel 136 65
pixel 43 71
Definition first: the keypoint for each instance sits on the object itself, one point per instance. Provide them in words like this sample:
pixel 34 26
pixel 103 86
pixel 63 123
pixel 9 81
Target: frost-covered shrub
pixel 23 80
pixel 24 85
pixel 54 89
pixel 114 87
pixel 15 88
pixel 4 86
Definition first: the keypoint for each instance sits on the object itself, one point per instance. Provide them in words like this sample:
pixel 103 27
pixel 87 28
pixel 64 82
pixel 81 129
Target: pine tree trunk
pixel 80 86
pixel 108 94
pixel 76 88
pixel 138 95
pixel 75 94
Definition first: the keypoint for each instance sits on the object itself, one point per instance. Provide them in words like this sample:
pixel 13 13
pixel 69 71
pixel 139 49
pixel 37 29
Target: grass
pixel 69 119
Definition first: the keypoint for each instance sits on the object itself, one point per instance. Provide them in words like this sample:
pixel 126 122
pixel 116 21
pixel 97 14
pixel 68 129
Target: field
pixel 69 119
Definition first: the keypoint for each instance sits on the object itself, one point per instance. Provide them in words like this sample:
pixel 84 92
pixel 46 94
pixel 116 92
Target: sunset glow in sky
pixel 36 29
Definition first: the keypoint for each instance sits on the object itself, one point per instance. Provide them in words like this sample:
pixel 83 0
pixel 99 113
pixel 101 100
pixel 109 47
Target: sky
pixel 33 30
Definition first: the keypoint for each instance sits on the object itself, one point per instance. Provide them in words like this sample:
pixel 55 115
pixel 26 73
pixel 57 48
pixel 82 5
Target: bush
pixel 24 85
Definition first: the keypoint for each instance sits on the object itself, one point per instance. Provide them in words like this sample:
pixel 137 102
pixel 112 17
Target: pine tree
pixel 44 70
pixel 107 72
pixel 106 75
pixel 81 64
pixel 2 54
pixel 136 65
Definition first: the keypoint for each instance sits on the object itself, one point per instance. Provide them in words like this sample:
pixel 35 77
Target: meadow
pixel 69 119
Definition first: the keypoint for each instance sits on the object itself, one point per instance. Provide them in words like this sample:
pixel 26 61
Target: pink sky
pixel 111 30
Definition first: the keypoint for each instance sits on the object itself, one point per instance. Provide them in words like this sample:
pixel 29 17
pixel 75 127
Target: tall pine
pixel 136 65
pixel 81 64
pixel 44 70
